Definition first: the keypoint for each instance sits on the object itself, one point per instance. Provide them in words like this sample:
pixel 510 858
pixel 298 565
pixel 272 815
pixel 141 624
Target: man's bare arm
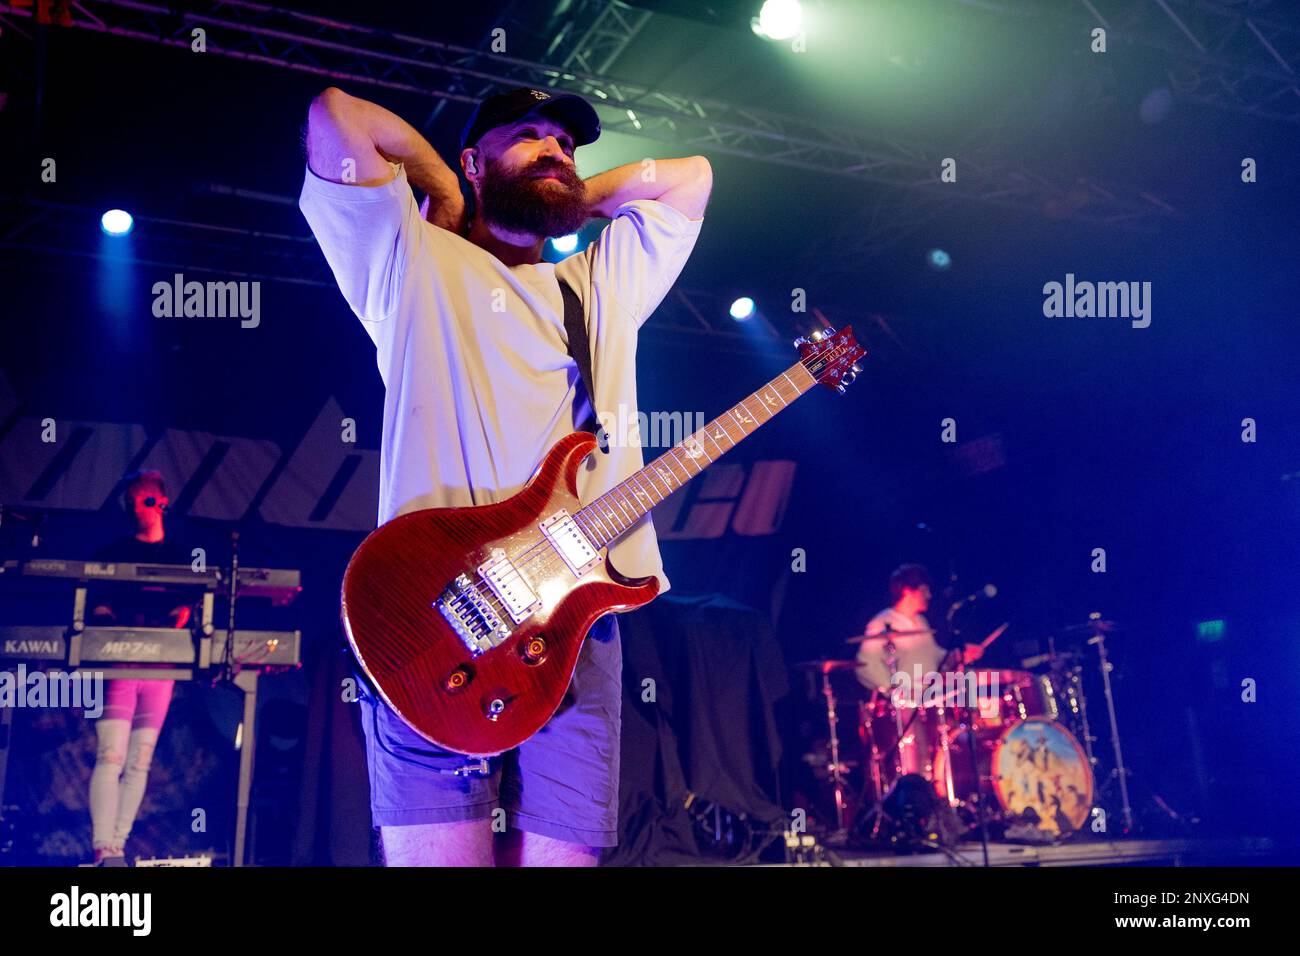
pixel 684 184
pixel 352 140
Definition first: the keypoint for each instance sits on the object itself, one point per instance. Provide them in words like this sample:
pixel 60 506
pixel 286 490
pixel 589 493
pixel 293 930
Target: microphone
pixel 987 591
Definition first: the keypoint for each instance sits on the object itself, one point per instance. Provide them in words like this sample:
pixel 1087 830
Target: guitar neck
pixel 606 518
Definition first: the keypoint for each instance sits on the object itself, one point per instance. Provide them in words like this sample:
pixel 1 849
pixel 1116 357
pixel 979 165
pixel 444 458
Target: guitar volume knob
pixel 533 650
pixel 458 679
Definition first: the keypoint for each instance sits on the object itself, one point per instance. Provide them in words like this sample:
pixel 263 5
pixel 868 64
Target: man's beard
pixel 523 203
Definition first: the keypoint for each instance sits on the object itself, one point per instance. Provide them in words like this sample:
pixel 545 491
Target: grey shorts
pixel 561 783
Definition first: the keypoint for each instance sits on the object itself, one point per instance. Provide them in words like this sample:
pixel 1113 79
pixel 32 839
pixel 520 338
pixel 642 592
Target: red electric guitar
pixel 469 620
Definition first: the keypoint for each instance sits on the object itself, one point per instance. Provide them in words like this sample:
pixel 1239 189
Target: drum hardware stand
pixel 1120 771
pixel 876 812
pixel 1071 675
pixel 874 780
pixel 945 738
pixel 1076 677
pixel 1068 673
pixel 972 747
pixel 901 729
pixel 837 767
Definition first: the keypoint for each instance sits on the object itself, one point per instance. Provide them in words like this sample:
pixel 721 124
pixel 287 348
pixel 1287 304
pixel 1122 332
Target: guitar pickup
pixel 566 536
pixel 516 594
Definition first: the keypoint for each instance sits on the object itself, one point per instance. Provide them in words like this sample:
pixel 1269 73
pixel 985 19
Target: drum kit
pixel 999 752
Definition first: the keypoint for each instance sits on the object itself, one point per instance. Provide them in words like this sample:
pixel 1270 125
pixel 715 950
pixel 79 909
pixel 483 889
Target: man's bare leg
pixel 468 843
pixel 520 848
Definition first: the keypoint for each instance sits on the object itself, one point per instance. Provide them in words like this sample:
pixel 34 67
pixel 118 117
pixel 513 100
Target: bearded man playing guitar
pixel 469 331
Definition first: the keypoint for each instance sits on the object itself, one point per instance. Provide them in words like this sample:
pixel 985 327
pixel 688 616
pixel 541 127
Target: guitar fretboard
pixel 617 510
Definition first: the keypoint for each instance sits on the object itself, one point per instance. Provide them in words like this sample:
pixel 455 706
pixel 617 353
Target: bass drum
pixel 1034 770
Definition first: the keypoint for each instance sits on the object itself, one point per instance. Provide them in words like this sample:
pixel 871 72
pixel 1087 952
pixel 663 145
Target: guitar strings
pixel 549 558
pixel 547 555
pixel 540 550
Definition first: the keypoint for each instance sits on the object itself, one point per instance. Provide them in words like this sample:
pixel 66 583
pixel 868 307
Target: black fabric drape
pixel 709 733
pixel 334 819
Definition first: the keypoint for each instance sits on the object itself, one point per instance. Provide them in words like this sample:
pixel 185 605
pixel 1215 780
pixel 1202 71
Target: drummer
pixel 903 624
pixel 897 640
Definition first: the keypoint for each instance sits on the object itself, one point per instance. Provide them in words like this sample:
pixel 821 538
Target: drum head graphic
pixel 1038 765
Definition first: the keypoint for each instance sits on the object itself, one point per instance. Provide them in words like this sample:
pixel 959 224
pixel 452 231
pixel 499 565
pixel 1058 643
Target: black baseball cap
pixel 568 109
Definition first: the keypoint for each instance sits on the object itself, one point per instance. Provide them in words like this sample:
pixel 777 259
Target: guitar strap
pixel 575 329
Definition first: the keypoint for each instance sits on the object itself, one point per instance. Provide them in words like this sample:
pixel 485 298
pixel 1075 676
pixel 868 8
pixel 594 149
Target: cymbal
pixel 1091 627
pixel 920 632
pixel 827 666
pixel 1066 656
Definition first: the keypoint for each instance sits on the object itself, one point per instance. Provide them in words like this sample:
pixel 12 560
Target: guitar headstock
pixel 831 357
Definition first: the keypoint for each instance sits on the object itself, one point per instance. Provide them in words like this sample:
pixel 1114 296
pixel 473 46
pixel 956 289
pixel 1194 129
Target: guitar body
pixel 468 699
pixel 469 620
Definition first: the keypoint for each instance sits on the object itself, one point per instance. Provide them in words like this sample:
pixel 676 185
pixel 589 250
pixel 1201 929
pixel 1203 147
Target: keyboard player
pixel 134 710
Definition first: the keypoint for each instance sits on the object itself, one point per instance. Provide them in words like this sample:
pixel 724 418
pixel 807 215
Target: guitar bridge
pixel 472 616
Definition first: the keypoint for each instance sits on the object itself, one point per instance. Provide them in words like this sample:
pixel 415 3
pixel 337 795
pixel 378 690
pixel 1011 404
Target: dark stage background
pixel 1072 433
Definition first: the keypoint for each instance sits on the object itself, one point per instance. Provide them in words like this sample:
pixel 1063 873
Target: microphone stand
pixel 227 674
pixel 970 736
pixel 1098 639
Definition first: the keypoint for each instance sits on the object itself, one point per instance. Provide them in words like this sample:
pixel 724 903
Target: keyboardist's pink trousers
pixel 134 711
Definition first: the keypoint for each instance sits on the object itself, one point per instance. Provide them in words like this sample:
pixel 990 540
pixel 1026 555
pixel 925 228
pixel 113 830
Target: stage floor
pixel 1185 852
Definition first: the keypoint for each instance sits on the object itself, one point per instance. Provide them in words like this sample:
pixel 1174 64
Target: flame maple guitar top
pixel 486 703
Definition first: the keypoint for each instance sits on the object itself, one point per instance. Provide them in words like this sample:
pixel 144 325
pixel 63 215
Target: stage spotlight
pixel 938 259
pixel 778 20
pixel 742 309
pixel 565 244
pixel 116 222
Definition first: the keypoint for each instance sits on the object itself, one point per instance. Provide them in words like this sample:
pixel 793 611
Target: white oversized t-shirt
pixel 478 380
pixel 911 649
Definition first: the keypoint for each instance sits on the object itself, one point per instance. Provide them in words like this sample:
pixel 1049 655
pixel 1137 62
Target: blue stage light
pixel 116 222
pixel 742 309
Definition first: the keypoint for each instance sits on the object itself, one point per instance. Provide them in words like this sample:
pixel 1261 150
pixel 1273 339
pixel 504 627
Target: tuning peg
pixel 820 335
